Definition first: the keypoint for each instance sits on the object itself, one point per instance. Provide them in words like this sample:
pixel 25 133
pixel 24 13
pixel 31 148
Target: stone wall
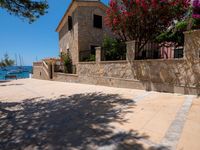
pixel 178 72
pixel 39 72
pixel 114 69
pixel 159 75
pixel 87 34
pixel 63 77
pixel 166 75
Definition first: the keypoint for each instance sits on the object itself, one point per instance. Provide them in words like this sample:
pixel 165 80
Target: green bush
pixel 176 33
pixel 114 49
pixel 91 57
pixel 67 61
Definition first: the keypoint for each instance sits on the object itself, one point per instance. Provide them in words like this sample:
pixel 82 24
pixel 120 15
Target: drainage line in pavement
pixel 173 134
pixel 142 96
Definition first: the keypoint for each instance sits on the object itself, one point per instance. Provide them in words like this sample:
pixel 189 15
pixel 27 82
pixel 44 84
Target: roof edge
pixel 72 3
pixel 64 15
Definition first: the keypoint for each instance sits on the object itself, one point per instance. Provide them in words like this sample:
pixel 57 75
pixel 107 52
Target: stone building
pixel 82 28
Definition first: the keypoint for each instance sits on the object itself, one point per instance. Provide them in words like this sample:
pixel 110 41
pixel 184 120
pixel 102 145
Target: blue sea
pixel 20 75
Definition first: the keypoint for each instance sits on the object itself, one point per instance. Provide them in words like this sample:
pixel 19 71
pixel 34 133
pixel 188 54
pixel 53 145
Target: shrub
pixel 91 57
pixel 67 61
pixel 114 49
pixel 174 34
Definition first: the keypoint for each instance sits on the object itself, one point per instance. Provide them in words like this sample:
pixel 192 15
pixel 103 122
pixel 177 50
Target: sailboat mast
pixel 20 61
pixel 16 59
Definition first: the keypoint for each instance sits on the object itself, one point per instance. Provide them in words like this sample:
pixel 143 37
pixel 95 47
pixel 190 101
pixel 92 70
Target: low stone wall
pixel 116 69
pixel 178 72
pixel 39 72
pixel 65 77
pixel 176 76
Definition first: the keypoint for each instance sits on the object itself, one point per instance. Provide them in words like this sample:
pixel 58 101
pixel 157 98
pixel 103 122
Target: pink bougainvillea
pixel 142 20
pixel 196 9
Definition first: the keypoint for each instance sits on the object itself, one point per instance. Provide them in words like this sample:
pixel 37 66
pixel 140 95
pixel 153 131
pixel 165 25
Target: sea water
pixel 21 75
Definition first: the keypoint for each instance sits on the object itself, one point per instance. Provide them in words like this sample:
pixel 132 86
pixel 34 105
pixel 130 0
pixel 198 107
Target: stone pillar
pixel 192 45
pixel 98 54
pixel 130 50
pixel 192 56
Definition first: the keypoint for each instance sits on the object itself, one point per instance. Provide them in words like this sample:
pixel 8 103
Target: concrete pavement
pixel 38 114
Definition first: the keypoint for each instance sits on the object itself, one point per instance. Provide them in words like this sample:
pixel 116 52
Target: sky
pixel 32 41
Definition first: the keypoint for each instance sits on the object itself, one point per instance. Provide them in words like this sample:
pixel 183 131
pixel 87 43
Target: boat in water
pixel 4 69
pixel 18 71
pixel 24 70
pixel 14 72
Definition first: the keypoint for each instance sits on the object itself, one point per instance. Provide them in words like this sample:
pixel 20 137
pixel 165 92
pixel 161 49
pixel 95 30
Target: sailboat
pixel 17 70
pixel 22 64
pixel 14 72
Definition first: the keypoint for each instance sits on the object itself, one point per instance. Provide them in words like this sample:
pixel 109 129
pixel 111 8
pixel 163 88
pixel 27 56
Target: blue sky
pixel 32 41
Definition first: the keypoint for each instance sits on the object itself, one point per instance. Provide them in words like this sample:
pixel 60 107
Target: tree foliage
pixel 196 9
pixel 144 20
pixel 26 9
pixel 174 36
pixel 6 61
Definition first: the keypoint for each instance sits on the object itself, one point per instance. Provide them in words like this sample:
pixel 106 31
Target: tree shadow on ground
pixel 11 84
pixel 80 121
pixel 4 81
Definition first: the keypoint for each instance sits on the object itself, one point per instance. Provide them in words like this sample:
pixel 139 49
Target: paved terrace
pixel 46 115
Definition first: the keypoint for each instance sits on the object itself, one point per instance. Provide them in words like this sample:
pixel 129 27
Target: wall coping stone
pixel 116 61
pixel 66 74
pixel 125 61
pixel 191 31
pixel 87 62
pixel 173 59
pixel 39 63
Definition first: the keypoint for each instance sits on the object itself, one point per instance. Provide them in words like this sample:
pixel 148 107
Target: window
pixel 70 23
pixel 178 53
pixel 97 21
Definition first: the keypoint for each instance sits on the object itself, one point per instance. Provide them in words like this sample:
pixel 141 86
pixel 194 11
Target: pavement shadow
pixel 11 84
pixel 80 121
pixel 4 81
